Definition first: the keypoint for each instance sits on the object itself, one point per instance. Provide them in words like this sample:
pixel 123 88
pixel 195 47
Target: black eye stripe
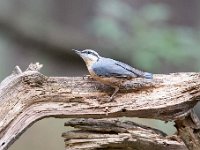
pixel 88 52
pixel 91 53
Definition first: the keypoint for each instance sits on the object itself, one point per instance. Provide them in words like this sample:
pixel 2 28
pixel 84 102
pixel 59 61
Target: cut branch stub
pixel 113 134
pixel 29 96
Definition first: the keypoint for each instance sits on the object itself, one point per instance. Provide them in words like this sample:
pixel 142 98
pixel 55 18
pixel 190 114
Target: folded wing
pixel 108 68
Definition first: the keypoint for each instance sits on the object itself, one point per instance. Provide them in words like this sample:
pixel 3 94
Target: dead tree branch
pixel 114 134
pixel 188 130
pixel 28 96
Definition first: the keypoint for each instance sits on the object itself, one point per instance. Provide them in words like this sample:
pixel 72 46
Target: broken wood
pixel 113 134
pixel 26 97
pixel 188 130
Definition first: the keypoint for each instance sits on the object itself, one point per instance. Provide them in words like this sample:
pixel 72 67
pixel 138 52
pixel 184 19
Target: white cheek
pixel 93 58
pixel 89 60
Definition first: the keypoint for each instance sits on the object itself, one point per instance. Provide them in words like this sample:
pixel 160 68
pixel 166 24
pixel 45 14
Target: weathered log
pixel 113 134
pixel 188 130
pixel 28 96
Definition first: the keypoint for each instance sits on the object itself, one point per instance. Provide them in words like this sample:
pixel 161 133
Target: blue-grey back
pixel 109 67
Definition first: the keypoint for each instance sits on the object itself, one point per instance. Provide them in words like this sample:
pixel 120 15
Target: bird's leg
pixel 112 96
pixel 87 76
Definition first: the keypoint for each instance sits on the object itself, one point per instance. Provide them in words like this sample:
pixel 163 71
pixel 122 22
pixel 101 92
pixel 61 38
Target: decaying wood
pixel 113 134
pixel 188 130
pixel 28 96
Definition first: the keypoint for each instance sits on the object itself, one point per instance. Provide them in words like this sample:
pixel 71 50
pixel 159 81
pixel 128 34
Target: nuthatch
pixel 109 71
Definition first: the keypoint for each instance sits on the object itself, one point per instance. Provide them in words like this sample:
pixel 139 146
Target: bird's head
pixel 88 55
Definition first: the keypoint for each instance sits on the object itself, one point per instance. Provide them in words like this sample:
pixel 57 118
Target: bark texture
pixel 28 96
pixel 116 135
pixel 188 130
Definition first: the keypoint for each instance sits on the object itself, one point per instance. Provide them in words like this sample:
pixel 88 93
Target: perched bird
pixel 109 71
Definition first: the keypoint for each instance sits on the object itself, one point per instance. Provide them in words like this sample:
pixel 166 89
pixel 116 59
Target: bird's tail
pixel 148 75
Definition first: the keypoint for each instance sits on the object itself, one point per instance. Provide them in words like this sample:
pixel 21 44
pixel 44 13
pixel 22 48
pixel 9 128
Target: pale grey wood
pixel 28 96
pixel 113 134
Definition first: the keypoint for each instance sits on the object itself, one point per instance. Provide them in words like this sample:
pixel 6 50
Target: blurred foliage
pixel 45 134
pixel 146 35
pixel 4 56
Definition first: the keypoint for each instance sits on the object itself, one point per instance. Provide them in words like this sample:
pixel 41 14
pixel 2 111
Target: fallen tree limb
pixel 114 134
pixel 188 130
pixel 28 96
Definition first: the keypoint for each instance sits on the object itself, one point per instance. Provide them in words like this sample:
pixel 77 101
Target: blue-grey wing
pixel 137 72
pixel 108 68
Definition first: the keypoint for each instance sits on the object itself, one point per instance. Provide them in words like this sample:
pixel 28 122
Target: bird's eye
pixel 88 52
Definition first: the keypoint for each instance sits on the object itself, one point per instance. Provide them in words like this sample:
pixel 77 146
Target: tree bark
pixel 188 130
pixel 114 134
pixel 28 96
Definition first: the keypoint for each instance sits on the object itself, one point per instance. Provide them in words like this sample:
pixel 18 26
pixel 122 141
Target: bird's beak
pixel 77 51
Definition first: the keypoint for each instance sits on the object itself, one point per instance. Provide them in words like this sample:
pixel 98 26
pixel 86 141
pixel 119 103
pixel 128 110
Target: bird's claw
pixel 111 99
pixel 87 76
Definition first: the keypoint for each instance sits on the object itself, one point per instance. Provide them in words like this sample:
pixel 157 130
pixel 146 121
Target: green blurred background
pixel 159 37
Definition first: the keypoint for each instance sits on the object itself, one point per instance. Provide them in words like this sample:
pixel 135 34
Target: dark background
pixel 159 37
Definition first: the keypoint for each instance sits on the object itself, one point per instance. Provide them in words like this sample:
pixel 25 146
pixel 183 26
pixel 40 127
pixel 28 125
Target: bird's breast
pixel 92 73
